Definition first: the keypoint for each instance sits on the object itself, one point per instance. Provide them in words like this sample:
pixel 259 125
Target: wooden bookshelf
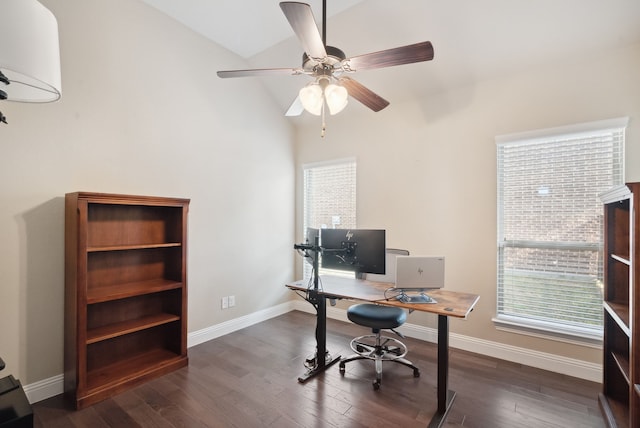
pixel 620 400
pixel 125 292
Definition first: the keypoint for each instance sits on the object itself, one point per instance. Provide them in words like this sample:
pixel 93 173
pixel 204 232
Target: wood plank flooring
pixel 249 379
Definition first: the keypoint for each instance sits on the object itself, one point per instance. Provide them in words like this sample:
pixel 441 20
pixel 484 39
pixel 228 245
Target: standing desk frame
pixel 449 304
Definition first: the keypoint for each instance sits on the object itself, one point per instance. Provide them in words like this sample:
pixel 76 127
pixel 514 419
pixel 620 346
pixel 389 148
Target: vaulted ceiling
pixel 473 40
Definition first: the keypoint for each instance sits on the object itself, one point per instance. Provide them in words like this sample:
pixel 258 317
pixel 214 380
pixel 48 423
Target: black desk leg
pixel 445 396
pixel 321 363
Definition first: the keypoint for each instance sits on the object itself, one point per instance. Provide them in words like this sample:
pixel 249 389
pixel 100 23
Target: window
pixel 550 239
pixel 329 197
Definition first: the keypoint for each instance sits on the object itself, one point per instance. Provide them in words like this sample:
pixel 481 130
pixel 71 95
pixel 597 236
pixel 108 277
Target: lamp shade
pixel 29 52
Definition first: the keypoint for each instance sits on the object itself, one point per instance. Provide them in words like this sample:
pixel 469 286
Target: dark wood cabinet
pixel 125 292
pixel 15 410
pixel 620 397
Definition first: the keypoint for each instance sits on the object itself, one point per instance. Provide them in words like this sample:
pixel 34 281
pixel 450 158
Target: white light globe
pixel 337 98
pixel 311 98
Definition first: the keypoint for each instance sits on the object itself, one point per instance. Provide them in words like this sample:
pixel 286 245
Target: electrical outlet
pixel 232 301
pixel 225 302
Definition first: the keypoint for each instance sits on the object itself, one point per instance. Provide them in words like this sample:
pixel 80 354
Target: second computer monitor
pixel 357 250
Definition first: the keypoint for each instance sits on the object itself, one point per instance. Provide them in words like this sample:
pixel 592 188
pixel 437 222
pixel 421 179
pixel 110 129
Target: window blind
pixel 550 232
pixel 329 197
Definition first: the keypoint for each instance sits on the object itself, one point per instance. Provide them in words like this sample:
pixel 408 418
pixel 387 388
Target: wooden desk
pixel 449 304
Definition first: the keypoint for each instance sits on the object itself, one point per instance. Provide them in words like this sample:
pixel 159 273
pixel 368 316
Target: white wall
pixel 427 168
pixel 142 112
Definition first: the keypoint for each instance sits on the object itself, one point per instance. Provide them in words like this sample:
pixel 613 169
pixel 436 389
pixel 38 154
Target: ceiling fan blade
pixel 417 52
pixel 301 19
pixel 296 108
pixel 260 72
pixel 361 93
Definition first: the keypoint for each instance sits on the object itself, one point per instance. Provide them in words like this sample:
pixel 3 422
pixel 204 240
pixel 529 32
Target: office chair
pixel 377 317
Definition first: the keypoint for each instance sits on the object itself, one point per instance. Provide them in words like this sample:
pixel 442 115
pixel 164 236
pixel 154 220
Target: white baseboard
pixel 53 386
pixel 528 357
pixel 210 333
pixel 44 389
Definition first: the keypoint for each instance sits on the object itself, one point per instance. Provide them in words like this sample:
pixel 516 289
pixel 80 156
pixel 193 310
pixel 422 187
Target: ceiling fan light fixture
pixel 311 97
pixel 316 93
pixel 336 97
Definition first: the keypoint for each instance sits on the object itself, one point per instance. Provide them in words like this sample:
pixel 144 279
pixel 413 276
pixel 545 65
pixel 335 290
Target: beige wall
pixel 142 112
pixel 427 168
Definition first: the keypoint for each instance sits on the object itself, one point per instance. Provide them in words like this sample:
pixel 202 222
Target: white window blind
pixel 329 197
pixel 550 225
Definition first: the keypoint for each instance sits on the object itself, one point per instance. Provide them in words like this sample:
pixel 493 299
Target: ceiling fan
pixel 329 66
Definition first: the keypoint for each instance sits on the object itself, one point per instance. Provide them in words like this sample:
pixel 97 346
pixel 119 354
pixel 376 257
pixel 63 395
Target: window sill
pixel 548 331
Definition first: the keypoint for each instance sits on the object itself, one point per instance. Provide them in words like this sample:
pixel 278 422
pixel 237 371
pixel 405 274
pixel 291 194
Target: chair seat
pixel 376 316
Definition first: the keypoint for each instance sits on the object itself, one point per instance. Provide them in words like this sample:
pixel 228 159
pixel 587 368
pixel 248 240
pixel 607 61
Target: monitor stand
pixel 414 298
pixel 315 364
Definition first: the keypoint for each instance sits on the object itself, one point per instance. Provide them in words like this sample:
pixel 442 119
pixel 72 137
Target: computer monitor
pixel 310 241
pixel 312 234
pixel 311 247
pixel 357 250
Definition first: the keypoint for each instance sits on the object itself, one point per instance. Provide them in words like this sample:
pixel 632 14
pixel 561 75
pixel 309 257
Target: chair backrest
pixel 390 266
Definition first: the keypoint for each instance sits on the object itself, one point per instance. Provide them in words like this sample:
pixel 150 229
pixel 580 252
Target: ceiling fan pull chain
pixel 324 125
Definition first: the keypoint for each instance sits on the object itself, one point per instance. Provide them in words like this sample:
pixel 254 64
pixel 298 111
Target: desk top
pixel 450 303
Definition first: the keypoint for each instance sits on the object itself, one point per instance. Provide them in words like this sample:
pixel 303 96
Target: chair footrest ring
pixel 377 347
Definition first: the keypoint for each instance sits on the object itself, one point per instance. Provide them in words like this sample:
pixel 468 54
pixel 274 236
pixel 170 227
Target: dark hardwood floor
pixel 249 379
